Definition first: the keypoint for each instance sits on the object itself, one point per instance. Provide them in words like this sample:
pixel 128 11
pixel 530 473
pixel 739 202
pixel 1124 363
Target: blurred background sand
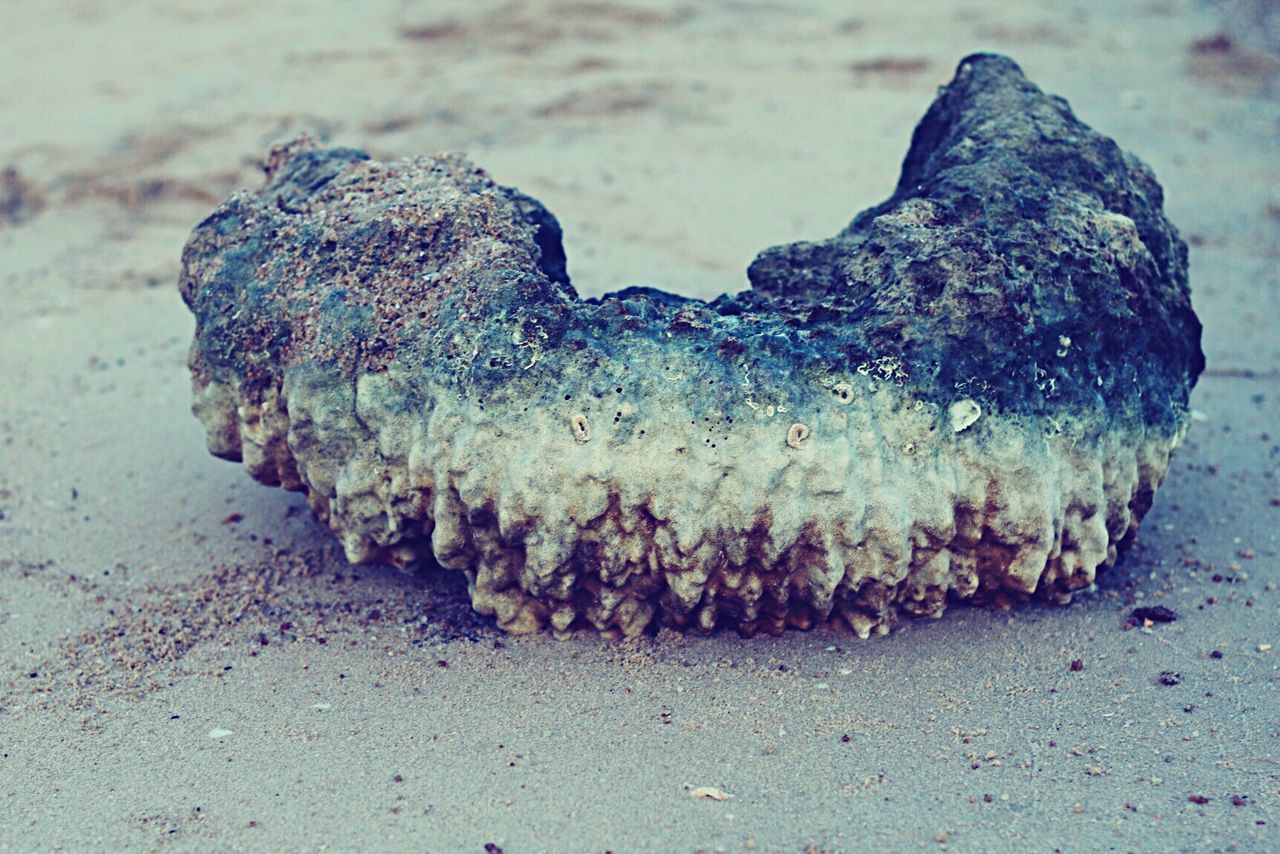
pixel 191 663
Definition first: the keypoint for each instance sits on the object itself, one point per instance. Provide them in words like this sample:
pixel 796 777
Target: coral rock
pixel 972 391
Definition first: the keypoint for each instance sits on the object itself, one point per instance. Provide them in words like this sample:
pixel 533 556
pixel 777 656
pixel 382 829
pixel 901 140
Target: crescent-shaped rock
pixel 971 391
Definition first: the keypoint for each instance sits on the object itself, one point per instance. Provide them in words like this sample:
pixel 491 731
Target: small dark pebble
pixel 1198 799
pixel 1077 666
pixel 233 519
pixel 1154 614
pixel 1217 653
pixel 844 738
pixel 1239 800
pixel 399 778
pixel 441 663
pixel 1216 43
pixel 1170 678
pixel 490 848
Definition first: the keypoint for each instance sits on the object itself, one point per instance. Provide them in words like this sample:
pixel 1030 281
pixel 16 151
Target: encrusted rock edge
pixel 998 511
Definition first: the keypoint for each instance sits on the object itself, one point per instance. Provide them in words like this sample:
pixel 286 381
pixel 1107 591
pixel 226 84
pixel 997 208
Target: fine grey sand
pixel 191 661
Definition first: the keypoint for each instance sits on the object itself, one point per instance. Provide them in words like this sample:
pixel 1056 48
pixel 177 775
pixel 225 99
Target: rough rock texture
pixel 971 391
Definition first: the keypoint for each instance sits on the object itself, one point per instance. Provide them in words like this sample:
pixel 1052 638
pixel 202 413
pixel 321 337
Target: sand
pixel 190 662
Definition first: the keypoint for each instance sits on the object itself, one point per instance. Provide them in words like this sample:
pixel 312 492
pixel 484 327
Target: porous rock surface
pixel 972 391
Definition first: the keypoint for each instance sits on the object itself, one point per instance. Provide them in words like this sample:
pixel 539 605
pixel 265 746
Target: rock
pixel 971 391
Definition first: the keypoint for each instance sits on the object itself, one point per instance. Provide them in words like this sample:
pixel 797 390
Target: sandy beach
pixel 190 661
